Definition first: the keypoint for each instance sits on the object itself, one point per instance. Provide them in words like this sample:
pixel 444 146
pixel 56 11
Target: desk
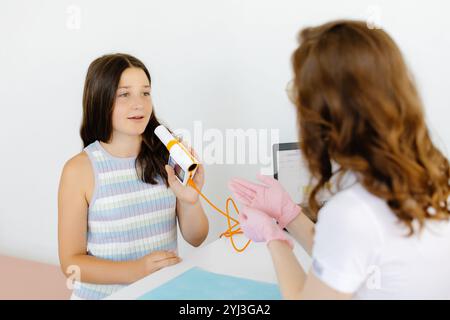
pixel 30 280
pixel 254 263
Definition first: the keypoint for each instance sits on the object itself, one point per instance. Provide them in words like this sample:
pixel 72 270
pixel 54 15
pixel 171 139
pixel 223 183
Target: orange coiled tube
pixel 231 231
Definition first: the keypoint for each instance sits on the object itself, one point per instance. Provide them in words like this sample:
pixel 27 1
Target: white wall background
pixel 225 63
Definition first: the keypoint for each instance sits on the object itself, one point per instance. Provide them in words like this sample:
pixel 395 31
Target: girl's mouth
pixel 136 118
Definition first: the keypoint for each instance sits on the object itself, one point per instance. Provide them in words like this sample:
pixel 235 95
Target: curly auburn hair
pixel 358 106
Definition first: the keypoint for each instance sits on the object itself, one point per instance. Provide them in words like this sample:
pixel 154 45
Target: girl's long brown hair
pixel 358 106
pixel 100 88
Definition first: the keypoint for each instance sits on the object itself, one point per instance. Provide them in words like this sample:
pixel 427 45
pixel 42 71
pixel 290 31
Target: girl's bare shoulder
pixel 78 172
pixel 79 164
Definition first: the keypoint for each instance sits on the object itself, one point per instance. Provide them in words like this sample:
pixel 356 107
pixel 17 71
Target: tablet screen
pixel 291 170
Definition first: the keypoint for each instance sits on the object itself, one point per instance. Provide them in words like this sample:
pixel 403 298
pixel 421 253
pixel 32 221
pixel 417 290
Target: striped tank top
pixel 127 218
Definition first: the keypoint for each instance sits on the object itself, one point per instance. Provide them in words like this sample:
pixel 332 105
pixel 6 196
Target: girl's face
pixel 133 103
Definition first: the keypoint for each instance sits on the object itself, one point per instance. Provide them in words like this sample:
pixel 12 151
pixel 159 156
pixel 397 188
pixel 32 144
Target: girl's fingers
pixel 167 262
pixel 172 179
pixel 170 174
pixel 185 144
pixel 199 177
pixel 200 171
pixel 194 153
pixel 162 255
pixel 182 192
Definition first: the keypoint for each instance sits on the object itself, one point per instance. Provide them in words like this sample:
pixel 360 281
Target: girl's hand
pixel 157 260
pixel 186 193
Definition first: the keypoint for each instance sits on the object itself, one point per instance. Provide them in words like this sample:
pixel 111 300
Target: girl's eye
pixel 146 93
pixel 125 94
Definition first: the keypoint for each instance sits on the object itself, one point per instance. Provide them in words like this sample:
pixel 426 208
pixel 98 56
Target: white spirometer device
pixel 180 159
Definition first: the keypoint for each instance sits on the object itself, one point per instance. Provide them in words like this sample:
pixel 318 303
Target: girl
pixel 117 214
pixel 384 233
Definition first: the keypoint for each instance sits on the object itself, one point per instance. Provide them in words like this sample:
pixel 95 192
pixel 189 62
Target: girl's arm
pixel 293 282
pixel 192 218
pixel 72 227
pixel 193 222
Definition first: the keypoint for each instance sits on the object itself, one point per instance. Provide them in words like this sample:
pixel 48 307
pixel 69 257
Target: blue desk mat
pixel 199 284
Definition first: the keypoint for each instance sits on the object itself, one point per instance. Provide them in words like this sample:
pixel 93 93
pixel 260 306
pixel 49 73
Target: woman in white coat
pixel 359 110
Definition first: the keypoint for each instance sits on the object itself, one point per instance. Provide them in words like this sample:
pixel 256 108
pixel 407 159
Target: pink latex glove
pixel 260 227
pixel 270 198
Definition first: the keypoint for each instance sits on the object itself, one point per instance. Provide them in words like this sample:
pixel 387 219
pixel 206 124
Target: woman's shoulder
pixel 349 219
pixel 350 201
pixel 353 209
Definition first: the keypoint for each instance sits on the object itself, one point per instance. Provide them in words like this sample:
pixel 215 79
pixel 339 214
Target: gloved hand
pixel 260 227
pixel 270 198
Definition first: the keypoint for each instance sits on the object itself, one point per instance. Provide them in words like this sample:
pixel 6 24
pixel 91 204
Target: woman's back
pixel 361 245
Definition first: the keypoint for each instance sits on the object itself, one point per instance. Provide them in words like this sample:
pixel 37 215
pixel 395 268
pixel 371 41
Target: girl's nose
pixel 137 104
